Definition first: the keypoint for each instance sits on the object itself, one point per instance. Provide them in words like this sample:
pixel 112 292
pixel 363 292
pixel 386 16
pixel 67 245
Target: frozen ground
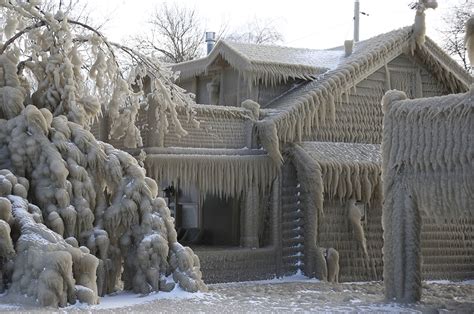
pixel 289 294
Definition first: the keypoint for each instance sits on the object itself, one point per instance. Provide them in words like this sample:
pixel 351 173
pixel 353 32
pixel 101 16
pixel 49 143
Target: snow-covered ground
pixel 296 293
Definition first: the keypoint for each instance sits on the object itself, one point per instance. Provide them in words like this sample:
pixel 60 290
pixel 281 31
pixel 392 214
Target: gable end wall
pixel 358 110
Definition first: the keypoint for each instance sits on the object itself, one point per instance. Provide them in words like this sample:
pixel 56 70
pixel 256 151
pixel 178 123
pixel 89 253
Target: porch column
pixel 276 237
pixel 249 218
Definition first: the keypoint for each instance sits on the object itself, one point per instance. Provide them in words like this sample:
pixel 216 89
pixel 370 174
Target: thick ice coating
pixel 94 196
pixel 79 218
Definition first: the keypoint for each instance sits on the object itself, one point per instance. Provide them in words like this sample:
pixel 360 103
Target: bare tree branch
pixel 177 34
pixel 257 31
pixel 176 30
pixel 453 32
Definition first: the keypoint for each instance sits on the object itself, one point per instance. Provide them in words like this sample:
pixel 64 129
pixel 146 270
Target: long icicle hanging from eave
pixel 223 176
pixel 358 180
pixel 340 178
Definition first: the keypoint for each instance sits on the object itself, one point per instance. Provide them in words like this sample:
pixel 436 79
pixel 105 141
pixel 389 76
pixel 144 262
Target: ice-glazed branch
pixel 20 33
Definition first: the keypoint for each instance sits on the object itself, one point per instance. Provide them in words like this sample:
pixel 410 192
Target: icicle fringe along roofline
pixel 312 106
pixel 316 106
pixel 223 176
pixel 253 71
pixel 334 171
pixel 455 78
pixel 348 171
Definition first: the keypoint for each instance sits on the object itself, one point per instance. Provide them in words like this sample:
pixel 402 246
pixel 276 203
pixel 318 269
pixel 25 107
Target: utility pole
pixel 356 20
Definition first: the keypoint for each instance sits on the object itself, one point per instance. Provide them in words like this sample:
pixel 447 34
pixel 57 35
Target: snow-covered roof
pixel 288 56
pixel 343 153
pixel 329 74
pixel 367 56
pixel 269 63
pixel 295 113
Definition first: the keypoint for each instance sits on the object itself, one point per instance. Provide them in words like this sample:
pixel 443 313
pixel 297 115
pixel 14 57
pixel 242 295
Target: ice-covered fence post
pixel 401 223
pixel 401 219
pixel 427 164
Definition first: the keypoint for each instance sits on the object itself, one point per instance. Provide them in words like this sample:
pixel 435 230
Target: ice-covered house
pixel 262 187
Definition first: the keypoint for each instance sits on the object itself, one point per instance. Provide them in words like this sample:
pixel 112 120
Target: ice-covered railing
pixel 206 126
pixel 216 127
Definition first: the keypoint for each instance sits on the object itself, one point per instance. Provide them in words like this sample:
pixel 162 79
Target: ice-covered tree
pixel 79 218
pixel 454 31
pixel 176 33
pixel 258 31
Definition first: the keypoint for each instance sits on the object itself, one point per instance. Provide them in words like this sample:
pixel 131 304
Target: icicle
pixel 420 136
pixel 332 108
pixel 219 175
pixel 354 215
pixel 267 133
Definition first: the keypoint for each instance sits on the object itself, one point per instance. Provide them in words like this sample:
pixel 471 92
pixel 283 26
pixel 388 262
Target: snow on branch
pixel 79 218
pixel 81 74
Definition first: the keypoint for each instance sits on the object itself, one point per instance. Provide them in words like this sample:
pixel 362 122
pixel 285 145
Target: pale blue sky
pixel 304 23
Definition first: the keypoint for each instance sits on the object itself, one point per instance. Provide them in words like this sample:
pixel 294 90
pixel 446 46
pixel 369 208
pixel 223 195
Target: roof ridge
pixel 269 63
pixel 294 114
pixel 230 42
